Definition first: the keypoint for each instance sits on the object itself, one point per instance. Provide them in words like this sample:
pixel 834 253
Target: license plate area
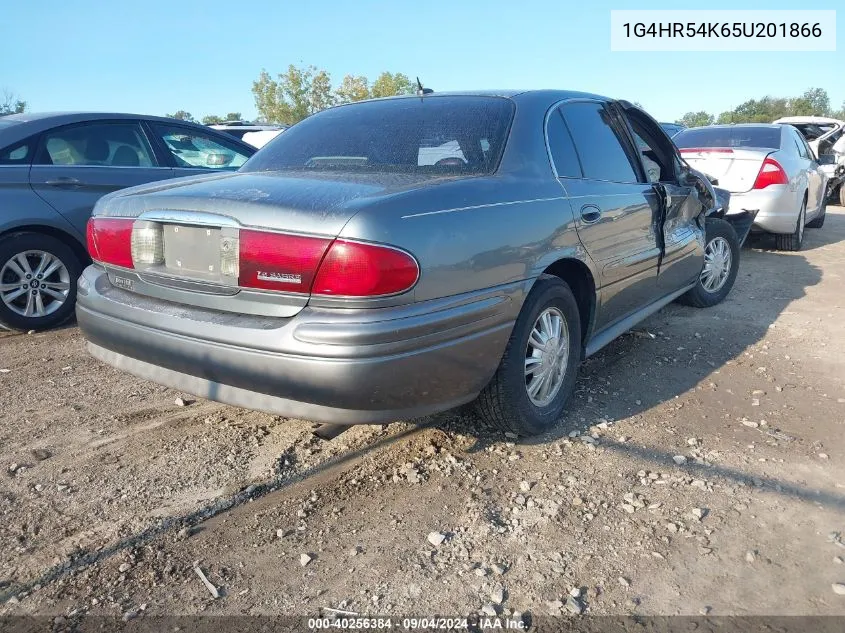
pixel 192 250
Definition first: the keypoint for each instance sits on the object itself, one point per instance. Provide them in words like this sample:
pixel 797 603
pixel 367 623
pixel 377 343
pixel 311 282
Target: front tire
pixel 793 241
pixel 721 264
pixel 38 275
pixel 537 374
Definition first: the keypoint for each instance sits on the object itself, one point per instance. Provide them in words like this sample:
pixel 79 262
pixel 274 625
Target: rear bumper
pixel 777 208
pixel 335 366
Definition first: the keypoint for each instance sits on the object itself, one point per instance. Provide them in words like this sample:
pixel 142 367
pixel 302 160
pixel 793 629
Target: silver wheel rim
pixel 546 357
pixel 34 284
pixel 802 217
pixel 717 264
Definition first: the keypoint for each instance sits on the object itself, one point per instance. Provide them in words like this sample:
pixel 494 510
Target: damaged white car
pixel 826 137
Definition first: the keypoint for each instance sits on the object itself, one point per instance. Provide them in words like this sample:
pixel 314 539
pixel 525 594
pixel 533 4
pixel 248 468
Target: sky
pixel 159 56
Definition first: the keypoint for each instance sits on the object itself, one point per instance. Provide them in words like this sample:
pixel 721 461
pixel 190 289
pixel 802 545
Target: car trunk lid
pixel 735 169
pixel 246 235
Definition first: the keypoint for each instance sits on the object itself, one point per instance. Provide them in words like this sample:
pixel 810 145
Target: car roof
pixel 722 126
pixel 809 119
pixel 29 123
pixel 508 93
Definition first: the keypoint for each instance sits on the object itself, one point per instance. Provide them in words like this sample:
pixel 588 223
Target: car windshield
pixel 812 131
pixel 733 136
pixel 449 134
pixel 671 128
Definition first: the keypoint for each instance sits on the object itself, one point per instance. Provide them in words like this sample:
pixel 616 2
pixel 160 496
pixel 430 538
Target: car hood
pixel 305 202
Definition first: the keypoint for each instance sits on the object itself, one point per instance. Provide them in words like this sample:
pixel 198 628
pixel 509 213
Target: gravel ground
pixel 699 470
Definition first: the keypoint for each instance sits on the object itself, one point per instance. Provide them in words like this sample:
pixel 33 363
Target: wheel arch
pixel 581 281
pixel 70 240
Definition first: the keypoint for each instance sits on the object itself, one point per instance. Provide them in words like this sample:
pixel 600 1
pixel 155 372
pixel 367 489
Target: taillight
pixel 356 269
pixel 110 240
pixel 771 173
pixel 276 261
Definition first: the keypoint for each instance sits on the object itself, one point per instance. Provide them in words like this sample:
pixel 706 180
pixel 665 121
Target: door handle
pixel 590 214
pixel 64 181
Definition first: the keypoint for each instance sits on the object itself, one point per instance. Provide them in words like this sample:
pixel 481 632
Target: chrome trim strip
pixel 200 218
pixel 482 206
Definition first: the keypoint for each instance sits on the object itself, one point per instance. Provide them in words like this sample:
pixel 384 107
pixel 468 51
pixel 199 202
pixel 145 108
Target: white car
pixel 260 138
pixel 766 167
pixel 825 136
pixel 244 129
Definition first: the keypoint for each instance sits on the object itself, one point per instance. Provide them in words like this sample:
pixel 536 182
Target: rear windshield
pixel 455 134
pixel 768 137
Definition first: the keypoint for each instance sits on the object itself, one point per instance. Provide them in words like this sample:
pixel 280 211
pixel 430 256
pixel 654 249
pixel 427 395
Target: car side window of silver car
pixel 600 149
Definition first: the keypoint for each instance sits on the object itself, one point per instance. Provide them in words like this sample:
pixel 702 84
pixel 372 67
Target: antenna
pixel 422 91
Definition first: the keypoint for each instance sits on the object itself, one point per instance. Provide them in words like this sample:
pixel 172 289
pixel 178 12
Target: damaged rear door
pixel 682 200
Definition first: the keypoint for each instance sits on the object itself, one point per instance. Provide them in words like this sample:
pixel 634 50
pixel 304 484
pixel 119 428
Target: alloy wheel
pixel 717 264
pixel 34 283
pixel 546 357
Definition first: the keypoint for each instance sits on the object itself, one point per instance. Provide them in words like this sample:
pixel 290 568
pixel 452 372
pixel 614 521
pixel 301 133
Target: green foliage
pixel 213 119
pixel 11 104
pixel 814 102
pixel 182 116
pixel 389 85
pixel 696 119
pixel 301 91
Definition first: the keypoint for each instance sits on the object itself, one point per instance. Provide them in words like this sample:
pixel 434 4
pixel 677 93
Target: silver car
pixel 393 258
pixel 53 169
pixel 766 167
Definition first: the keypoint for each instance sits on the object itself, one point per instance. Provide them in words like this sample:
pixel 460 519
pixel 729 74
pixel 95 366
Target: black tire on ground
pixel 818 222
pixel 16 243
pixel 715 230
pixel 505 403
pixel 793 241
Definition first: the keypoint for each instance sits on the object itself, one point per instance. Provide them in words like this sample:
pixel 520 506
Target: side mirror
pixel 827 159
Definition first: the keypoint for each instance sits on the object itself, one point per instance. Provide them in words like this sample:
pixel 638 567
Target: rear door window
pixel 562 148
pixel 96 144
pixel 18 154
pixel 194 149
pixel 600 149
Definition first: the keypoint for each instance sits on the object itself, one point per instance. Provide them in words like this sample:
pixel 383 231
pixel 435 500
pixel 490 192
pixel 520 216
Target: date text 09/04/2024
pixel 353 623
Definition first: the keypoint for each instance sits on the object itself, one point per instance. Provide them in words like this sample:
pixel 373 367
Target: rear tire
pixel 794 240
pixel 30 302
pixel 721 253
pixel 505 402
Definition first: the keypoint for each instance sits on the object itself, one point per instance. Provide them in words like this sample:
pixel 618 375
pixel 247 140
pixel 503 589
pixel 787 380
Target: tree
pixel 696 119
pixel 302 91
pixel 818 100
pixel 11 104
pixel 213 119
pixel 182 116
pixel 389 85
pixel 353 89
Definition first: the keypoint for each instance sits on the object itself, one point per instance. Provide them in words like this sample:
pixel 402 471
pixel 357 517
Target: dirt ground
pixel 700 470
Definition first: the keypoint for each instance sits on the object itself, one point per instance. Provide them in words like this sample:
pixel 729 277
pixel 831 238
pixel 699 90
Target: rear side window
pixel 564 157
pixel 19 154
pixel 96 144
pixel 437 135
pixel 733 136
pixel 599 148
